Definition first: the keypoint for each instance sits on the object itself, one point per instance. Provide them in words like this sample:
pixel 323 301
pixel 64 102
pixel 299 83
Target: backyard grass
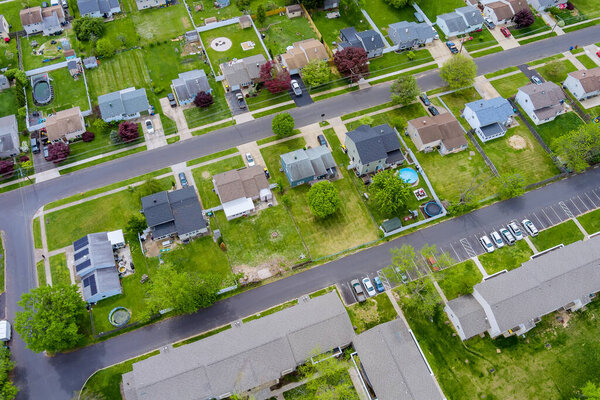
pixel 107 382
pixel 392 61
pixel 120 31
pixel 303 393
pixel 561 125
pixel 59 271
pixel 330 28
pixel 271 311
pixel 281 32
pixel 564 233
pixel 269 239
pixel 203 178
pixel 508 86
pixel 508 257
pixel 434 8
pixel 376 310
pixel 558 79
pixel 50 51
pixel 8 102
pixel 37 233
pixel 538 26
pixel 101 144
pixel 219 110
pixel 458 279
pixel 68 93
pixel 121 71
pixel 237 36
pixel 519 152
pixel 587 61
pixel 41 273
pixel 590 7
pixel 384 14
pixel 481 40
pixel 590 221
pixel 10 10
pixel 9 57
pixel 160 24
pixel 510 368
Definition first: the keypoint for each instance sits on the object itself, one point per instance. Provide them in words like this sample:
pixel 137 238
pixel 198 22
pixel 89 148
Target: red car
pixel 598 53
pixel 505 31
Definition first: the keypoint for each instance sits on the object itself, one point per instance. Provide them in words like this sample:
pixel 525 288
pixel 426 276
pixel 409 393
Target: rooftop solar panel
pixel 83 265
pixel 93 289
pixel 78 244
pixel 82 253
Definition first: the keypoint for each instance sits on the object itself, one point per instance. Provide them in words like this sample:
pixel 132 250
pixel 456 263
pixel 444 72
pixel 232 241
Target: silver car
pixel 508 237
pixel 369 286
pixel 515 230
pixel 497 239
pixel 530 227
pixel 296 88
pixel 487 244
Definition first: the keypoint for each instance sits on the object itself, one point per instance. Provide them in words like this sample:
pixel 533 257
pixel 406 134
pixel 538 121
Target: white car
pixel 497 239
pixel 4 331
pixel 514 229
pixel 369 286
pixel 487 244
pixel 530 227
pixel 510 239
pixel 250 160
pixel 296 87
pixel 149 127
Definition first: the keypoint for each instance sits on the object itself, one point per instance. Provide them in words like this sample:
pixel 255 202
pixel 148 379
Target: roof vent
pixel 543 92
pixel 372 38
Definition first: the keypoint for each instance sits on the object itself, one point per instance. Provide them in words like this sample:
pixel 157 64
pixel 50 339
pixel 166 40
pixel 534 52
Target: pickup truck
pixel 358 291
pixel 452 47
pixel 240 100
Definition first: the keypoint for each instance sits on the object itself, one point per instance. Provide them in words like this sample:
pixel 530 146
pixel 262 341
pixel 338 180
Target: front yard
pixel 59 271
pixel 203 178
pixel 558 79
pixel 481 40
pixel 508 257
pixel 564 233
pixel 391 62
pixel 538 26
pixel 237 36
pixel 458 279
pixel 219 110
pixel 509 85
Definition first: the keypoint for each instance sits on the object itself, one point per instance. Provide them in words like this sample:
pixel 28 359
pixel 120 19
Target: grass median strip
pixel 213 128
pixel 536 38
pixel 37 233
pixel 59 270
pixel 590 221
pixel 41 273
pixel 486 52
pixel 458 279
pixel 367 111
pixel 376 310
pixel 212 156
pixel 102 160
pixel 336 93
pixel 501 72
pixel 271 311
pixel 202 336
pixel 274 110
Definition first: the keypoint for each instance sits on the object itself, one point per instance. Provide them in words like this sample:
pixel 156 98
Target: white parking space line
pixel 549 219
pixel 586 207
pixel 459 258
pixel 592 201
pixel 585 201
pixel 595 194
pixel 574 205
pixel 559 218
pixel 539 221
pixel 467 246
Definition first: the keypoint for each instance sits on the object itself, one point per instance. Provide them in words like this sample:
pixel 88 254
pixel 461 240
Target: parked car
pixel 425 100
pixel 240 100
pixel 489 23
pixel 322 141
pixel 183 179
pixel 452 47
pixel 35 145
pixel 598 53
pixel 250 160
pixel 358 290
pixel 536 79
pixel 172 100
pixel 434 111
pixel 267 174
pixel 505 31
pixel 508 237
pixel 515 230
pixel 487 244
pixel 45 150
pixel 497 239
pixel 296 88
pixel 403 276
pixel 378 284
pixel 530 227
pixel 149 127
pixel 4 331
pixel 369 287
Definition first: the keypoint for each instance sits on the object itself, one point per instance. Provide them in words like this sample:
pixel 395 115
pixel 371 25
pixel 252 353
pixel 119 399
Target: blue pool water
pixel 409 175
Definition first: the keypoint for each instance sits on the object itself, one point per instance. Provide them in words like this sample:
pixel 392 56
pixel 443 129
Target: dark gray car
pixel 358 291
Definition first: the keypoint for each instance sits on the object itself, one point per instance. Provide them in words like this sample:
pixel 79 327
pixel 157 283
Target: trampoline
pixel 432 209
pixel 119 316
pixel 42 91
pixel 409 175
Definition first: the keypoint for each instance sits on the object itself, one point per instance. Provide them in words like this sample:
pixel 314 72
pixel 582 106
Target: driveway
pixel 175 113
pixel 157 138
pixel 530 71
pixel 439 51
pixel 233 104
pixel 303 100
pixel 505 42
pixel 253 149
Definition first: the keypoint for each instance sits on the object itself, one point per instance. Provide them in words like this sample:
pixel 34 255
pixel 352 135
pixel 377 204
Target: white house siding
pixel 442 24
pixel 489 13
pixel 192 234
pixel 575 87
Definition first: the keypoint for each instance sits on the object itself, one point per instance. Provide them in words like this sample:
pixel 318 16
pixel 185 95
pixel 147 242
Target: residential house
pixel 303 52
pixel 393 363
pixel 243 72
pixel 65 124
pixel 123 105
pixel 460 21
pixel 293 11
pixel 189 84
pixel 116 239
pixel 245 21
pixel 373 149
pixel 4 27
pixel 369 40
pixel 512 303
pixel 192 37
pixel 489 118
pixel 48 20
pixel 407 35
pixel 542 103
pixel 502 11
pixel 176 213
pixel 96 268
pixel 73 67
pixel 442 132
pixel 540 5
pixel 9 136
pixel 4 83
pixel 90 62
pixel 98 8
pixel 248 358
pixel 583 84
pixel 331 4
pixel 239 189
pixel 304 166
pixel 143 4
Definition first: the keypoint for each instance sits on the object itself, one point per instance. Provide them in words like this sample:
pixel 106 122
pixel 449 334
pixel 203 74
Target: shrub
pixel 283 124
pixel 87 136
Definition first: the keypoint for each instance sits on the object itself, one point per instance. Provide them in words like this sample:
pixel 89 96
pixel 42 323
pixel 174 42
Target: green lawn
pixel 59 270
pixel 537 27
pixel 409 112
pixel 2 261
pixel 562 124
pixel 559 79
pixel 509 86
pixel 213 128
pixel 511 368
pixel 564 233
pixel 434 8
pixel 219 110
pixel 303 393
pixel 481 40
pixel 8 102
pixel 508 257
pixel 41 273
pixel 102 160
pixel 68 93
pixel 580 26
pixel 265 99
pixel 376 310
pixel 491 50
pixel 237 36
pixel 281 32
pixel 501 72
pixel 384 14
pixel 268 239
pixel 31 61
pixel 119 72
pixel 212 156
pixel 519 152
pixel 9 58
pixel 590 221
pixel 271 311
pixel 590 7
pixel 10 10
pixel 106 213
pixel 37 233
pixel 160 24
pixel 458 279
pixel 203 178
pixel 391 62
pixel 587 61
pixel 330 28
pixel 202 336
pixel 456 101
pixel 536 38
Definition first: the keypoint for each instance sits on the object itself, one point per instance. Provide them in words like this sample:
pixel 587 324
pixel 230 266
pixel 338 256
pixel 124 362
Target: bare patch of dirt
pixel 260 272
pixel 563 317
pixel 205 175
pixel 517 142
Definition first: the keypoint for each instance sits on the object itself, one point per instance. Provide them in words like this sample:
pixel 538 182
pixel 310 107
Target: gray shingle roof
pixel 470 314
pixel 90 62
pixel 97 253
pixel 190 83
pixel 177 211
pixel 243 357
pixel 244 70
pixel 409 33
pixel 472 15
pixel 491 111
pixel 106 280
pixel 8 133
pixel 371 40
pixel 394 365
pixel 374 143
pixel 454 21
pixel 127 101
pixel 313 162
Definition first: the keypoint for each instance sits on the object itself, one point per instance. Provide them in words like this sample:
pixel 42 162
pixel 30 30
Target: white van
pixel 4 331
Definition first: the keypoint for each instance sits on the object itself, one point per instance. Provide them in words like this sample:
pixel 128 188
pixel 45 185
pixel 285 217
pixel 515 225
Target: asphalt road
pixel 58 377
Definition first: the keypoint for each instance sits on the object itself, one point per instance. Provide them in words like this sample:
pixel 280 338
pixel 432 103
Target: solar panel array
pixel 82 253
pixel 78 244
pixel 91 282
pixel 83 265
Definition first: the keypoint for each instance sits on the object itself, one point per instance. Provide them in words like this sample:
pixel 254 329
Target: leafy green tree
pixel 261 15
pixel 421 297
pixel 442 260
pixel 87 26
pixel 405 89
pixel 18 75
pixel 459 71
pixel 580 148
pixel 511 186
pixel 51 318
pixel 389 192
pixel 312 4
pixel 283 124
pixel 105 48
pixel 100 126
pixel 403 258
pixel 135 225
pixel 316 73
pixel 328 379
pixel 323 199
pixel 8 390
pixel 555 70
pixel 590 391
pixel 400 3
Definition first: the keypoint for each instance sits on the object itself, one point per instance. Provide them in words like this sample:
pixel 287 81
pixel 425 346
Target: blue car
pixel 378 284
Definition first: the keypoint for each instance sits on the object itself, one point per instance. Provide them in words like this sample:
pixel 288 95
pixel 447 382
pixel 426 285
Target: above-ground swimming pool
pixel 409 175
pixel 432 209
pixel 42 91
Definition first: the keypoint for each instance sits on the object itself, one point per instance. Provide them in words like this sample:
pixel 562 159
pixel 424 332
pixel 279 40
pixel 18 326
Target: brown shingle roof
pixel 240 183
pixel 589 79
pixel 442 127
pixel 502 10
pixel 47 12
pixel 518 5
pixel 314 49
pixel 545 95
pixel 294 58
pixel 63 123
pixel 31 16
